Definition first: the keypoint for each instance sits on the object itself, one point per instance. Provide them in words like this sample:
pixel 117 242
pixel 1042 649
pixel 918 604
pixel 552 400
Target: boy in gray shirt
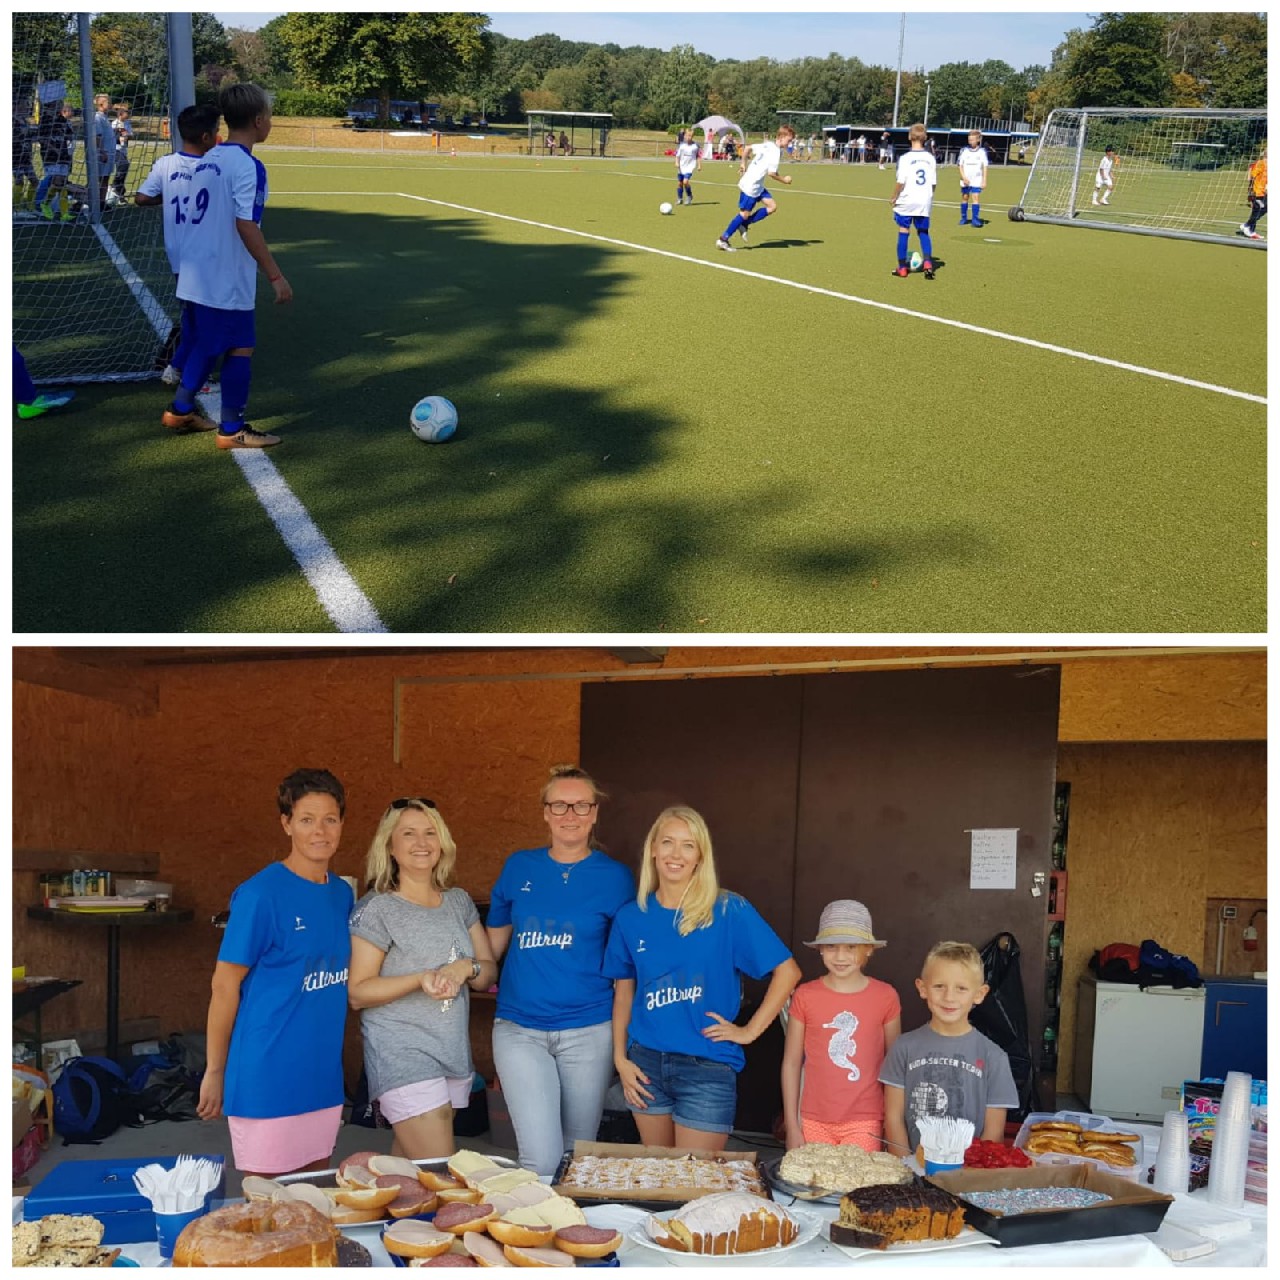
pixel 947 1067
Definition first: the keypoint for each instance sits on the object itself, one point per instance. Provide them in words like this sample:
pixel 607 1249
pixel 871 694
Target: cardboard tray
pixel 650 1198
pixel 1132 1210
pixel 1133 1172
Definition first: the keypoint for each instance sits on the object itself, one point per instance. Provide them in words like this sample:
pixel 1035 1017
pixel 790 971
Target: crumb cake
pixel 875 1217
pixel 598 1175
pixel 729 1222
pixel 826 1167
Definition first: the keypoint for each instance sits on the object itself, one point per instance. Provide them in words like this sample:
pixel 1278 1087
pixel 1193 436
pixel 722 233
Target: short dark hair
pixel 242 104
pixel 306 782
pixel 195 122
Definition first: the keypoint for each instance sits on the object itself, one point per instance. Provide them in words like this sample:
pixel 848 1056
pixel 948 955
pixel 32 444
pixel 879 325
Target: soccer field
pixel 1063 432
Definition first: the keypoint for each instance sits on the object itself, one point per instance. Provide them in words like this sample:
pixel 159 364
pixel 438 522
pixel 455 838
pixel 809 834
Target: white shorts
pixel 1099 183
pixel 417 1099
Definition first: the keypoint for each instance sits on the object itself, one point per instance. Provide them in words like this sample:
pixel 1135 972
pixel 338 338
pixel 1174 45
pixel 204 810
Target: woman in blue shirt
pixel 549 913
pixel 279 1003
pixel 677 954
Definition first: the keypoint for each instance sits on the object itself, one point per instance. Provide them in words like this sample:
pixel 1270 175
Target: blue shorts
pixel 746 202
pixel 699 1093
pixel 970 191
pixel 907 221
pixel 218 331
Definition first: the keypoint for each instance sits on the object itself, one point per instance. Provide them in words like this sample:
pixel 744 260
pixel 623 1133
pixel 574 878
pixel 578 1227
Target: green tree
pixel 276 48
pixel 44 45
pixel 678 89
pixel 249 57
pixel 1121 63
pixel 385 55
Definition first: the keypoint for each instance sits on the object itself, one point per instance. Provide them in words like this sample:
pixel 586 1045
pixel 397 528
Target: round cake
pixel 258 1233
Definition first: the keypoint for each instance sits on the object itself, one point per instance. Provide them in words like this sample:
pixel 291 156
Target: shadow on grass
pixel 552 509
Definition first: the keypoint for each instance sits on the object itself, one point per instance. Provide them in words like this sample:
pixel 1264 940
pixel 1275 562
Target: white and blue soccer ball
pixel 434 419
pixel 664 207
pixel 916 261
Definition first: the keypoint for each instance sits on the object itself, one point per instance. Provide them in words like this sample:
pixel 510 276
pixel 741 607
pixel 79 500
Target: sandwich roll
pixel 484 1249
pixel 537 1257
pixel 459 1195
pixel 366 1197
pixel 439 1180
pixel 257 1188
pixel 415 1240
pixel 461 1218
pixel 588 1242
pixel 526 1235
pixel 357 1160
pixel 396 1165
pixel 343 1216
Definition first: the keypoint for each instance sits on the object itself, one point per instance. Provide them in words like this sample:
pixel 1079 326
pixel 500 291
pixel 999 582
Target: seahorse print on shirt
pixel 842 1046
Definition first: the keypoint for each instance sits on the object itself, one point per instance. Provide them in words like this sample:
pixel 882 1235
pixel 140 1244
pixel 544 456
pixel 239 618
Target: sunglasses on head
pixel 405 801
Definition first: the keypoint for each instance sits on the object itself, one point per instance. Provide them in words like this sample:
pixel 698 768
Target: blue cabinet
pixel 1235 1028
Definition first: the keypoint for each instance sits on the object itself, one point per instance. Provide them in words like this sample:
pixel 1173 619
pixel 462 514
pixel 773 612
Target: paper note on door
pixel 993 858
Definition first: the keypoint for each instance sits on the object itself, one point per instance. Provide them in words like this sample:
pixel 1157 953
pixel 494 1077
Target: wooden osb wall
pixel 188 768
pixel 1156 829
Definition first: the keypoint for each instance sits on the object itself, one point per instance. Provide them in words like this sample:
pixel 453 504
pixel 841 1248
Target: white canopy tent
pixel 712 127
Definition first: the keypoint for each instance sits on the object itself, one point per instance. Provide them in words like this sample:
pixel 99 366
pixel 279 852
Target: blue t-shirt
pixel 680 979
pixel 559 915
pixel 285 1057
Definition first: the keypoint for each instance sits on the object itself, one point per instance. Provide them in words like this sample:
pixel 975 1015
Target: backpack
pixel 91 1100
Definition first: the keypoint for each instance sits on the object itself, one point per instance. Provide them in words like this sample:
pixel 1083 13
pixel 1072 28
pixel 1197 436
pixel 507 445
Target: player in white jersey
pixel 1104 182
pixel 913 200
pixel 168 185
pixel 973 178
pixel 688 161
pixel 760 160
pixel 217 271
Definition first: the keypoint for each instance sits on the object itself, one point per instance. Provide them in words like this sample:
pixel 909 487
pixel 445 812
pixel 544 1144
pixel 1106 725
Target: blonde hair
pixel 571 773
pixel 956 953
pixel 918 133
pixel 698 906
pixel 787 129
pixel 382 872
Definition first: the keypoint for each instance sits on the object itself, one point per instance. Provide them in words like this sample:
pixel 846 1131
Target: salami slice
pixel 458 1216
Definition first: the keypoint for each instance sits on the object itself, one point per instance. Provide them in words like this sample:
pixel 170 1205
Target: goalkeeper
pixel 1257 197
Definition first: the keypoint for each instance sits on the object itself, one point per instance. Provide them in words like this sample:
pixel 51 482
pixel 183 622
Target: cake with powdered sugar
pixel 730 1222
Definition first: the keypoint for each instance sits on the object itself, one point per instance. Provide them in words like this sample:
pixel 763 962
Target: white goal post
pixel 1182 173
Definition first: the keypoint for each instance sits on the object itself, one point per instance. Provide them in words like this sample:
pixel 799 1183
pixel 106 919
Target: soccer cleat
pixel 964 222
pixel 722 243
pixel 44 402
pixel 46 211
pixel 246 438
pixel 743 233
pixel 927 267
pixel 902 270
pixel 1252 235
pixel 184 423
pixel 979 222
pixel 171 376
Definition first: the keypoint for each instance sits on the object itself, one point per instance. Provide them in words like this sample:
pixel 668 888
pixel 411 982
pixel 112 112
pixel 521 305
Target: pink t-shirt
pixel 843 1049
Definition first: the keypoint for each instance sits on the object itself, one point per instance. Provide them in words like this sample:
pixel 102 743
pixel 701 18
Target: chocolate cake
pixel 876 1217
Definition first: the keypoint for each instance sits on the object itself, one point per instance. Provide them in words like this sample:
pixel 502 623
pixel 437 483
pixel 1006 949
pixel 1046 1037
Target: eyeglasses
pixel 580 807
pixel 405 801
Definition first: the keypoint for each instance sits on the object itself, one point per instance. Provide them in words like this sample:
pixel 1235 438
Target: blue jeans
pixel 698 1092
pixel 554 1083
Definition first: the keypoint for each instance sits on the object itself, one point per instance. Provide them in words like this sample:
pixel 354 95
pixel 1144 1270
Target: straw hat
pixel 845 921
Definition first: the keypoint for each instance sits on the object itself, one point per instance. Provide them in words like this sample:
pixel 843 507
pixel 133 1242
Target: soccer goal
pixel 93 293
pixel 1181 173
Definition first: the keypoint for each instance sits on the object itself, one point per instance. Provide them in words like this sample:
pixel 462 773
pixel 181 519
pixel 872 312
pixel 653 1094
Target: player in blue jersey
pixel 169 185
pixel 678 954
pixel 549 916
pixel 913 200
pixel 217 273
pixel 760 160
pixel 279 1004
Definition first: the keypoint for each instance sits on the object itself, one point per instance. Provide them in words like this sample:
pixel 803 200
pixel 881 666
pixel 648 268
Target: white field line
pixel 341 598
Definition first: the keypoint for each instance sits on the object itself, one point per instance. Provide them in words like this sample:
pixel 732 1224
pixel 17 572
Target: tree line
pixel 317 63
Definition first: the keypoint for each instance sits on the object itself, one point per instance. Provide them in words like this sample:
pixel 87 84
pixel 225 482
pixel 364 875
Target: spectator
pixel 24 174
pixel 565 149
pixel 831 146
pixel 104 138
pixel 862 148
pixel 123 131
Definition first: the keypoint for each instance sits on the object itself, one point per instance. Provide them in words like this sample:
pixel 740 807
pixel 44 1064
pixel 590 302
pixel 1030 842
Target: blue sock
pixel 903 236
pixel 43 189
pixel 688 190
pixel 733 226
pixel 964 211
pixel 235 392
pixel 976 211
pixel 758 215
pixel 186 339
pixel 926 245
pixel 679 192
pixel 194 373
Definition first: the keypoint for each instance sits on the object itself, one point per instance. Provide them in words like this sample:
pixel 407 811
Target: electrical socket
pixel 1228 912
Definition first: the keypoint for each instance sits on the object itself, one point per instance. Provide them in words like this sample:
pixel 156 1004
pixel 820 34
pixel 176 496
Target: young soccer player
pixel 123 130
pixel 56 136
pixel 169 185
pixel 838 1030
pixel 760 160
pixel 973 178
pixel 947 1067
pixel 24 173
pixel 913 200
pixel 1104 183
pixel 1257 197
pixel 688 161
pixel 216 270
pixel 104 142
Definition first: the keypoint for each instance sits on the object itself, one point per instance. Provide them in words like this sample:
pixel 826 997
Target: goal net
pixel 93 294
pixel 1181 173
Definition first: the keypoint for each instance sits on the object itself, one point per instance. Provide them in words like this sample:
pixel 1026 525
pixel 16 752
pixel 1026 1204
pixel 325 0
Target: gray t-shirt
pixel 416 1038
pixel 958 1076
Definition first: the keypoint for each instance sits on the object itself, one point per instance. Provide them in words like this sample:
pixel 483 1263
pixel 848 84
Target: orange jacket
pixel 1258 177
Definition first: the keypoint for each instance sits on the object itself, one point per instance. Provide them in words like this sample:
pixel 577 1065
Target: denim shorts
pixel 700 1093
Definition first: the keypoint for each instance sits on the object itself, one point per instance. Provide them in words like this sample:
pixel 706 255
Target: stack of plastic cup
pixel 1173 1160
pixel 1230 1157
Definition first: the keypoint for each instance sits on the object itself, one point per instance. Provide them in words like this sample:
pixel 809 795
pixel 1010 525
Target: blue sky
pixel 1016 36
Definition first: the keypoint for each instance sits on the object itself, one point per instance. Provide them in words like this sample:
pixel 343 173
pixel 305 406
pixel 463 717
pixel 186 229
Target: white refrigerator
pixel 1134 1048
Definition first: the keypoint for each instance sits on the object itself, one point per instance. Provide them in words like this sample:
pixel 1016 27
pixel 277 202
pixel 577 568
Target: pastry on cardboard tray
pixel 599 1174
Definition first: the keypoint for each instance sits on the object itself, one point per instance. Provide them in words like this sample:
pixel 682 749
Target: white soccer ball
pixel 916 260
pixel 664 207
pixel 434 419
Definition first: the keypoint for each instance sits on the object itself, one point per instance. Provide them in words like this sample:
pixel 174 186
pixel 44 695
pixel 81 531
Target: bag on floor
pixel 91 1100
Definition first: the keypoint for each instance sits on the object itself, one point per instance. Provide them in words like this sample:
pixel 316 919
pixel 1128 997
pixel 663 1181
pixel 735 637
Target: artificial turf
pixel 651 443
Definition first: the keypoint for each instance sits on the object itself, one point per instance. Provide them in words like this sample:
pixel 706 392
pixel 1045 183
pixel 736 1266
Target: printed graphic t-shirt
pixel 843 1049
pixel 958 1076
pixel 286 1047
pixel 559 915
pixel 680 979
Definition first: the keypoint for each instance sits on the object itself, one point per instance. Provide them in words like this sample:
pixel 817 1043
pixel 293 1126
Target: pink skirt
pixel 284 1144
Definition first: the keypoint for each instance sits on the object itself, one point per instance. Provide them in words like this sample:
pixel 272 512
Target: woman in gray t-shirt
pixel 417 945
